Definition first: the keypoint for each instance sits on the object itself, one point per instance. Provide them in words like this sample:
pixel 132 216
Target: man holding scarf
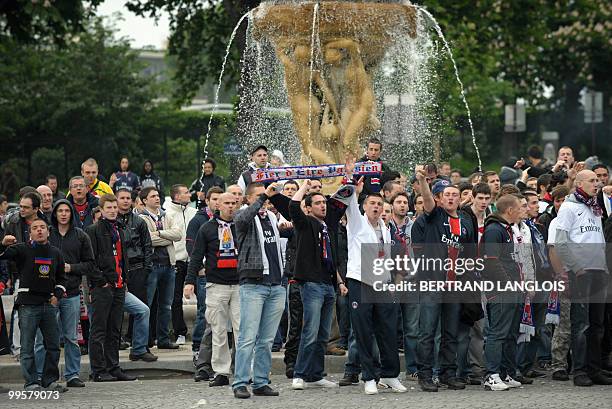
pixel 580 244
pixel 262 297
pixel 216 245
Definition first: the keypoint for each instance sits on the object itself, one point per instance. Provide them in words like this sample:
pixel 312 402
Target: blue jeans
pixel 161 279
pixel 200 322
pixel 504 316
pixel 68 315
pixel 140 312
pixel 318 300
pixel 463 346
pixel 31 318
pixel 434 311
pixel 344 322
pixel 410 330
pixel 261 307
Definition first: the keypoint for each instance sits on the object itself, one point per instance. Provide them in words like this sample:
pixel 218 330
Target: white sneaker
pixel 180 340
pixel 370 387
pixel 392 383
pixel 321 383
pixel 511 382
pixel 298 384
pixel 494 383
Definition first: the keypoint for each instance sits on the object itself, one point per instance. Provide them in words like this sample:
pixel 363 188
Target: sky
pixel 141 31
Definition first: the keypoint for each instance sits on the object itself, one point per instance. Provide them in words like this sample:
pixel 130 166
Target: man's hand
pixel 112 180
pixel 67 268
pixel 359 187
pixel 349 165
pixel 201 195
pixel 9 240
pixel 271 189
pixel 419 172
pixel 285 226
pixel 188 291
pixel 607 190
pixel 343 289
pixel 559 165
pixel 525 175
pixel 53 301
pixel 519 163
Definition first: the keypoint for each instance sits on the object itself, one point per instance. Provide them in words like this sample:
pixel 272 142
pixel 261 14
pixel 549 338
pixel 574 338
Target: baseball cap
pixel 258 147
pixel 440 186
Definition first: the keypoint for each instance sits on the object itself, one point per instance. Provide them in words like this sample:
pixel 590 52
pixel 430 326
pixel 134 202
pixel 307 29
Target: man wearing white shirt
pixel 581 246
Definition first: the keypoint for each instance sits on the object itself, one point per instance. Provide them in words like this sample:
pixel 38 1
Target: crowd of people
pixel 280 266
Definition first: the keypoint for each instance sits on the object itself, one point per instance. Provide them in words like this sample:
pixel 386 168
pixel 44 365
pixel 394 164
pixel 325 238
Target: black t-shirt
pixel 274 276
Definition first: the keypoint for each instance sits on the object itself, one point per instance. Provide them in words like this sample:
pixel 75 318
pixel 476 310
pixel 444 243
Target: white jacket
pixel 180 215
pixel 359 231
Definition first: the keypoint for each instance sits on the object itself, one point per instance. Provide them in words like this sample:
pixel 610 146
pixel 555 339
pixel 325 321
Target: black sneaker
pixel 582 380
pixel 146 357
pixel 427 385
pixel 84 350
pixel 265 391
pixel 452 383
pixel 241 392
pixel 168 346
pixel 289 372
pixel 349 379
pixel 56 387
pixel 103 377
pixel 123 345
pixel 220 380
pixel 75 383
pixel 122 376
pixel 202 375
pixel 601 379
pixel 560 375
pixel 532 373
pixel 523 380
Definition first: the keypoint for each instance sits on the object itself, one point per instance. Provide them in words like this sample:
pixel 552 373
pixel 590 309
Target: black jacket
pixel 202 184
pixel 498 248
pixel 308 249
pixel 544 221
pixel 207 247
pixel 76 250
pixel 92 203
pixel 197 221
pixel 41 271
pixel 138 242
pixel 104 270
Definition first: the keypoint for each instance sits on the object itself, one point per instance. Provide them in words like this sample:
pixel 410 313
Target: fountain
pixel 321 77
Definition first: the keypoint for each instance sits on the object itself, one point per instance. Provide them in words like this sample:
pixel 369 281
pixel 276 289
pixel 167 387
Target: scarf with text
pixel 227 254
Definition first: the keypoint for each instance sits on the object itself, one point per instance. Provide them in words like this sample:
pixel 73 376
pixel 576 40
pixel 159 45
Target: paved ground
pixel 182 392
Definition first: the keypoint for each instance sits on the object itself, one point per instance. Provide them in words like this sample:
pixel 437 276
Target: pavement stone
pixel 182 392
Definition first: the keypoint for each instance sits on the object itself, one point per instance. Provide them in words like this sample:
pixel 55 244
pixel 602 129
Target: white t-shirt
pixel 580 222
pixel 585 234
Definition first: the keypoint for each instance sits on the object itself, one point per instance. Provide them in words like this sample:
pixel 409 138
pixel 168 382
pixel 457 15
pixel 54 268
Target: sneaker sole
pixel 371 392
pixel 488 388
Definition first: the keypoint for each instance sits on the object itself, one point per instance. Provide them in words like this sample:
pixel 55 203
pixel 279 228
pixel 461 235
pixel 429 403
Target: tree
pixel 85 97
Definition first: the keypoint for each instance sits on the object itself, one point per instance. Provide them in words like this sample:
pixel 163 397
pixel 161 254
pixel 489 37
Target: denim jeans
pixel 434 311
pixel 504 317
pixel 463 346
pixel 68 315
pixel 161 279
pixel 410 331
pixel 261 307
pixel 318 300
pixel 139 310
pixel 587 317
pixel 31 318
pixel 200 321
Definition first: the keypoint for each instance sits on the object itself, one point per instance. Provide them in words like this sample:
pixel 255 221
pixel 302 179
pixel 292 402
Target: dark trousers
pixel 137 281
pixel 178 321
pixel 32 318
pixel 296 312
pixel 527 351
pixel 587 317
pixel 344 323
pixel 374 321
pixel 105 333
pixel 434 310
